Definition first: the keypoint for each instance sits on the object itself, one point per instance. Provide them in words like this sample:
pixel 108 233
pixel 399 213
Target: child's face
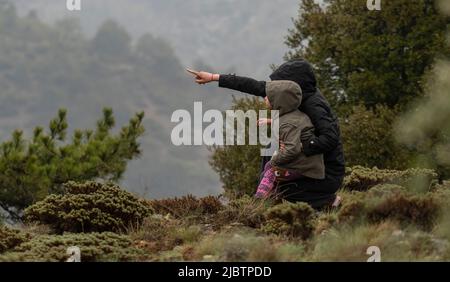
pixel 266 100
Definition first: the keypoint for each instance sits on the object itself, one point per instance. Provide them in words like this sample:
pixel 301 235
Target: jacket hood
pixel 299 71
pixel 284 95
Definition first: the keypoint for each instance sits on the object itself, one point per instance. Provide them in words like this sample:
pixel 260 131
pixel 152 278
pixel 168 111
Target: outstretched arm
pixel 231 81
pixel 243 84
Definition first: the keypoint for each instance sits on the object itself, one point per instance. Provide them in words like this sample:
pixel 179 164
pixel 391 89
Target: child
pixel 289 163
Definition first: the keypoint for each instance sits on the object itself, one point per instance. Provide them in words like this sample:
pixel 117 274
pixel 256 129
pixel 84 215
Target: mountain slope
pixel 246 34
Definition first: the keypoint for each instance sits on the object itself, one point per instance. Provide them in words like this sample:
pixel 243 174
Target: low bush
pixel 390 202
pixel 93 247
pixel 361 178
pixel 10 238
pixel 89 207
pixel 289 219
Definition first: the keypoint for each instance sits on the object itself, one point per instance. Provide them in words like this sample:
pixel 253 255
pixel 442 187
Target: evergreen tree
pixel 32 169
pixel 239 166
pixel 373 57
pixel 370 65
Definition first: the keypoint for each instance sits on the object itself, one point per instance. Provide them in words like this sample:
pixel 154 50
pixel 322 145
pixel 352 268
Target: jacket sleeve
pixel 243 84
pixel 290 136
pixel 326 129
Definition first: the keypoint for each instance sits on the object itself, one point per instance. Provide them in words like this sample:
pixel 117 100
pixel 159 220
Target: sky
pixel 245 36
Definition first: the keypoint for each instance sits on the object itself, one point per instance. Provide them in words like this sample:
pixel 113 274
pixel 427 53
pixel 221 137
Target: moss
pixel 88 207
pixel 290 219
pixel 93 247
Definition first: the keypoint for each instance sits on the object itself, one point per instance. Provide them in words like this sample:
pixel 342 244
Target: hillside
pixel 47 67
pixel 385 209
pixel 210 30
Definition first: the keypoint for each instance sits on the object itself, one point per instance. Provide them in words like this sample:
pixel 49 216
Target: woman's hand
pixel 263 121
pixel 203 77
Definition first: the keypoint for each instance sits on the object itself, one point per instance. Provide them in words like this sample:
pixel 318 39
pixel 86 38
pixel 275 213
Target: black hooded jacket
pixel 327 140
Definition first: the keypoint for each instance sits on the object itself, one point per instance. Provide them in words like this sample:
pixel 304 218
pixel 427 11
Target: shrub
pixel 238 166
pixel 9 238
pixel 390 202
pixel 374 145
pixel 352 208
pixel 325 221
pixel 93 246
pixel 419 210
pixel 32 169
pixel 89 207
pixel 187 206
pixel 290 219
pixel 361 178
pixel 245 210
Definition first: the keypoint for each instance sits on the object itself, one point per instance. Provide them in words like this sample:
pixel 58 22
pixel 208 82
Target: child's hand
pixel 263 121
pixel 282 146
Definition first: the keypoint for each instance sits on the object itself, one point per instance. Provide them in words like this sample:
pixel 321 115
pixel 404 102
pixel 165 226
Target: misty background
pixel 130 55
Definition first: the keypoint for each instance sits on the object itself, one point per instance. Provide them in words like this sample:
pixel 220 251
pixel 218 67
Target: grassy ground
pixel 403 213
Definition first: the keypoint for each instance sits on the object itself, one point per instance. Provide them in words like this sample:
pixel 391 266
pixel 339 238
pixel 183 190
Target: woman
pixel 327 140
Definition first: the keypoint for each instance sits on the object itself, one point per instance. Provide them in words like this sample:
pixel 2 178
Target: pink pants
pixel 267 183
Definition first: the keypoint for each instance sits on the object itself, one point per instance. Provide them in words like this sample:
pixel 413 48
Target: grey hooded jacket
pixel 285 96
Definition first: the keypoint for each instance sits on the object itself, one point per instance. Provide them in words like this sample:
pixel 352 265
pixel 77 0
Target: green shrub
pixel 390 202
pixel 375 144
pixel 93 247
pixel 89 207
pixel 325 221
pixel 290 219
pixel 352 208
pixel 9 238
pixel 361 178
pixel 238 166
pixel 32 169
pixel 419 210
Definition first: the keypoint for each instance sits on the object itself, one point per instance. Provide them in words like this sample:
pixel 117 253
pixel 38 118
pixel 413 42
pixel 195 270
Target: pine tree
pixel 32 169
pixel 369 57
pixel 238 166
